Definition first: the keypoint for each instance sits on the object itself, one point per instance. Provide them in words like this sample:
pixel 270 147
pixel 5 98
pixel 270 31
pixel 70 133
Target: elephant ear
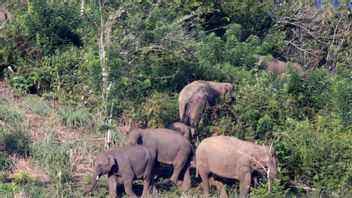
pixel 111 160
pixel 139 137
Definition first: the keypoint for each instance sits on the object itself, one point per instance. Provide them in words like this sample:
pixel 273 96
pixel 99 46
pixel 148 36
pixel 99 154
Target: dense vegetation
pixel 92 66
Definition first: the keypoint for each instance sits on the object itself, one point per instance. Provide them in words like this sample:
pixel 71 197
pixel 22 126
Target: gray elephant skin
pixel 185 130
pixel 279 67
pixel 195 97
pixel 168 148
pixel 129 162
pixel 232 158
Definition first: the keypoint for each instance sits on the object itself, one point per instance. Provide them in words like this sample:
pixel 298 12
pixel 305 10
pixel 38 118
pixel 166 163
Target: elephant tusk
pixel 97 177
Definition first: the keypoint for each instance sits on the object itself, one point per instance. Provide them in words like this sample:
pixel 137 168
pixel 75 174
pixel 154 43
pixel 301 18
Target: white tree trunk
pixel 82 7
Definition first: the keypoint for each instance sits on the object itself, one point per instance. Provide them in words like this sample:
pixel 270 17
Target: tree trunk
pixel 82 7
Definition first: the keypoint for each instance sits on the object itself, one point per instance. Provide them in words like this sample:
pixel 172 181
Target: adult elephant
pixel 167 147
pixel 195 97
pixel 279 67
pixel 232 158
pixel 187 131
pixel 129 162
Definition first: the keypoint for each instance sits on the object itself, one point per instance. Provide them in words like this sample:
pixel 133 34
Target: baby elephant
pixel 232 158
pixel 129 162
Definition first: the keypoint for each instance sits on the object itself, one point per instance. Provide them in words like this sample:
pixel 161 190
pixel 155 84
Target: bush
pixel 342 90
pixel 159 110
pixel 261 106
pixel 5 162
pixel 15 142
pixel 316 159
pixel 277 190
pixel 76 118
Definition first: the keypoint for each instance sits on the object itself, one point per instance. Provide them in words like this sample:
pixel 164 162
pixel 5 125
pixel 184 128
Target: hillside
pixel 76 76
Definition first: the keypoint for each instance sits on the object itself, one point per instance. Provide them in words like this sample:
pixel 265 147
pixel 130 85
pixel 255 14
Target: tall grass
pixel 53 156
pixel 12 137
pixel 36 105
pixel 76 118
pixel 9 117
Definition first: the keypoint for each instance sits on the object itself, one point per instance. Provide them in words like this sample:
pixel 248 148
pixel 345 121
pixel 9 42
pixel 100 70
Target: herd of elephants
pixel 215 157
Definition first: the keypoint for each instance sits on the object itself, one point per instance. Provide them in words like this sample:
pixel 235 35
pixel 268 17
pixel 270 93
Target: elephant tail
pixel 186 112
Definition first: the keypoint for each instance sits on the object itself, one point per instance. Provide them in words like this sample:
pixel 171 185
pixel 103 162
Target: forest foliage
pixel 126 60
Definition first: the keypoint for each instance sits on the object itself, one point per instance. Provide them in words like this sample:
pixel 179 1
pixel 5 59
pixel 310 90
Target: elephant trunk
pixel 93 182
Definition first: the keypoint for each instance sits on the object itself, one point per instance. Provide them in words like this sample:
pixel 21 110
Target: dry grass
pixel 27 165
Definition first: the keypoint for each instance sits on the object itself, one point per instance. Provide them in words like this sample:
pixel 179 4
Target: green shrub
pixel 79 118
pixel 261 106
pixel 342 90
pixel 317 90
pixel 159 110
pixel 15 142
pixel 35 104
pixel 277 190
pixel 5 162
pixel 316 159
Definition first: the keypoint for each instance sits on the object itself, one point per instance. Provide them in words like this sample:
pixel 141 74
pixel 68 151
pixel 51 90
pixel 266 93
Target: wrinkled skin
pixel 187 131
pixel 232 158
pixel 199 95
pixel 167 147
pixel 129 162
pixel 279 67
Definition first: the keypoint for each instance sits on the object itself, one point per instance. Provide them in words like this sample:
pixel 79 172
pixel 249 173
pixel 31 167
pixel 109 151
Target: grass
pixel 36 105
pixel 76 118
pixel 54 158
pixel 9 117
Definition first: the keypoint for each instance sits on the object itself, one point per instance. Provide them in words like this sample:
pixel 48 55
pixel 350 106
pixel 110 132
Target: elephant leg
pixel 127 183
pixel 220 187
pixel 178 165
pixel 196 112
pixel 186 185
pixel 205 181
pixel 146 184
pixel 245 182
pixel 112 180
pixel 148 178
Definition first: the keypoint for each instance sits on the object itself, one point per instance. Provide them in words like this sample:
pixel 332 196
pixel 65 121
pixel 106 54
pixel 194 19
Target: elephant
pixel 185 130
pixel 232 158
pixel 168 148
pixel 4 16
pixel 195 97
pixel 279 67
pixel 129 162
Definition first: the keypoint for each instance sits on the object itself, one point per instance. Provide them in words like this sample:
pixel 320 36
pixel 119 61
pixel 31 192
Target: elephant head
pixel 266 163
pixel 182 128
pixel 222 89
pixel 134 137
pixel 103 164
